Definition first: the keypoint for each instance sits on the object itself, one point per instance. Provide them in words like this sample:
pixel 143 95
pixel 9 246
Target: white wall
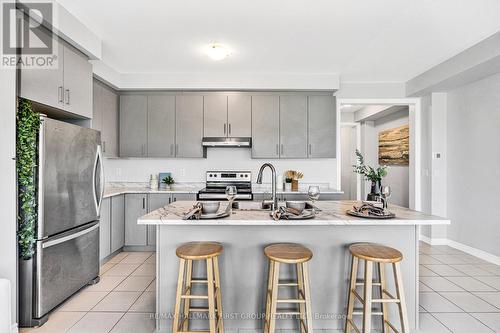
pixel 8 245
pixel 398 176
pixel 473 186
pixel 193 170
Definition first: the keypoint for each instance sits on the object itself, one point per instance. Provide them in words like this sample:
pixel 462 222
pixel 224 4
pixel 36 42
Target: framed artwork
pixel 394 146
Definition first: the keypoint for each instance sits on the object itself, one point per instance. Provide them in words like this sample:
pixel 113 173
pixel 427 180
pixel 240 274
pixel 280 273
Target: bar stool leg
pixel 307 290
pixel 274 296
pixel 383 286
pixel 211 294
pixel 187 302
pixel 350 296
pixel 268 296
pixel 398 279
pixel 220 321
pixel 180 282
pixel 302 306
pixel 367 297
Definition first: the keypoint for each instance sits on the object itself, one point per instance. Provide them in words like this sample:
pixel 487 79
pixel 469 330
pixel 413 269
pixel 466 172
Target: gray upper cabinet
pixel 189 125
pixel 136 205
pixel 105 229
pixel 215 115
pixel 265 126
pixel 44 86
pixel 117 222
pixel 322 127
pixel 68 87
pixel 133 125
pixel 105 117
pixel 293 126
pixel 239 115
pixel 161 126
pixel 77 82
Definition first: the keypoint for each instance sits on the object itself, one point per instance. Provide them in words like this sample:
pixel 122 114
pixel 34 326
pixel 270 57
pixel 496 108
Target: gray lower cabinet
pixel 265 126
pixel 156 200
pixel 105 229
pixel 161 126
pixel 136 205
pixel 293 126
pixel 239 115
pixel 215 115
pixel 133 125
pixel 117 222
pixel 189 126
pixel 322 127
pixel 183 197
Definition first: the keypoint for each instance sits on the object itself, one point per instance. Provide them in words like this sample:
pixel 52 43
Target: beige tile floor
pixel 459 293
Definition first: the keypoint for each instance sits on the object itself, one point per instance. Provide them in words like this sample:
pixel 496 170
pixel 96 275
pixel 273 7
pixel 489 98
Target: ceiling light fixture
pixel 346 105
pixel 217 51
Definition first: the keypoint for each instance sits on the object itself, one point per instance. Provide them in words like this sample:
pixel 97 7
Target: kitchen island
pixel 243 265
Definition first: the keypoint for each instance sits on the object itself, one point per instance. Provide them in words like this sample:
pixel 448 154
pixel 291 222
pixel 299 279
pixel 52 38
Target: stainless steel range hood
pixel 227 142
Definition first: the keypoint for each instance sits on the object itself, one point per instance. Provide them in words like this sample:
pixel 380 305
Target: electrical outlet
pixel 183 172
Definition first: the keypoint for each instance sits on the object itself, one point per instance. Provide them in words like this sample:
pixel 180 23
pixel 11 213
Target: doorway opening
pixel 386 134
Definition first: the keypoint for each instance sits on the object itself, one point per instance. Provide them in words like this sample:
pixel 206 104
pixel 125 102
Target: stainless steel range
pixel 217 181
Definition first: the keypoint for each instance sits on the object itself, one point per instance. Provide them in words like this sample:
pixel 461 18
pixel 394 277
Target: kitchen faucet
pixel 273 182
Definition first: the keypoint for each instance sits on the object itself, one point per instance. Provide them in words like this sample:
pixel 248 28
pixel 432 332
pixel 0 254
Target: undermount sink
pixel 252 205
pixel 260 205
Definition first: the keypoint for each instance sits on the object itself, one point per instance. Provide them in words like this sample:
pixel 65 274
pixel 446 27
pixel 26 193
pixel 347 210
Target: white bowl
pixel 210 207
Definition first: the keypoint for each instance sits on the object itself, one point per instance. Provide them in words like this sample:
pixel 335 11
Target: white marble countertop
pixel 113 189
pixel 332 213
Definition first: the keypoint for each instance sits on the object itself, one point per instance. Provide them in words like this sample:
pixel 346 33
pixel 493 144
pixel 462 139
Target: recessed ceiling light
pixel 217 51
pixel 346 105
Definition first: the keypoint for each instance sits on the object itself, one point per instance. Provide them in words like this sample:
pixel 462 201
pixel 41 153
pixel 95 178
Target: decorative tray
pixel 366 215
pixel 306 214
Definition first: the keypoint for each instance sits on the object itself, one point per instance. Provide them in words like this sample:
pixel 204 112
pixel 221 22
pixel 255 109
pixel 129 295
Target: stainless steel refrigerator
pixel 70 190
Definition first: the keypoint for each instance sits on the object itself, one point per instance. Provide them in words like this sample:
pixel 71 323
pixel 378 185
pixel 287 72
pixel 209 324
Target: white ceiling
pixel 383 40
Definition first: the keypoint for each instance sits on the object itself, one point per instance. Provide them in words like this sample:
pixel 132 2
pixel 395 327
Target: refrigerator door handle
pixel 69 237
pixel 98 160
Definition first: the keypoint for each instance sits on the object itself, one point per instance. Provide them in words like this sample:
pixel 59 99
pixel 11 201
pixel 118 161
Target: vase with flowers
pixel 371 174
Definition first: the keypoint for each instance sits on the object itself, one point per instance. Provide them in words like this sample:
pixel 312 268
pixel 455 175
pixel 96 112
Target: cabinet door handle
pixel 224 129
pixel 175 199
pixel 104 146
pixel 143 203
pixel 171 149
pixel 60 94
pixel 67 96
pixel 281 149
pixel 277 150
pixel 310 149
pixel 229 129
pixel 176 149
pixel 169 200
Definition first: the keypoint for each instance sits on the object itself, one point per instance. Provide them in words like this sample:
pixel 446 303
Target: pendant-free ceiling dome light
pixel 217 51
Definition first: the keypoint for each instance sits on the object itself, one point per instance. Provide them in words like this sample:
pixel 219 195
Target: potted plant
pixel 371 174
pixel 168 181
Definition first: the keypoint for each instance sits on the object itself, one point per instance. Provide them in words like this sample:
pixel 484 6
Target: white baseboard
pixel 433 241
pixel 462 247
pixel 14 329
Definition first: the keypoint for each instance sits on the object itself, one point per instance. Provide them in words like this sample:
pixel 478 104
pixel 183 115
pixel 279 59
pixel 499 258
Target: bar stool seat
pixel 297 255
pixel 375 252
pixel 199 250
pixel 288 253
pixel 379 255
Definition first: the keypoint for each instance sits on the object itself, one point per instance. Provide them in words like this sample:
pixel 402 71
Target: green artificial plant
pixel 168 180
pixel 27 129
pixel 374 175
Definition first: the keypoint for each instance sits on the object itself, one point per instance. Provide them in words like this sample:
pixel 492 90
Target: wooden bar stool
pixel 380 255
pixel 188 252
pixel 288 253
